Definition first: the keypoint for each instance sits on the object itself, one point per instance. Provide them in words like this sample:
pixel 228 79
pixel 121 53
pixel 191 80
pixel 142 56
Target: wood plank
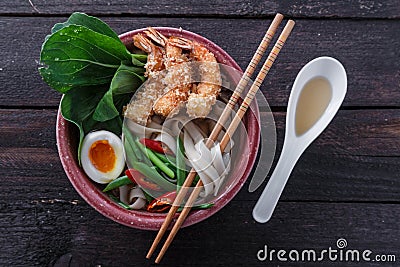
pixel 339 160
pixel 236 8
pixel 355 159
pixel 27 128
pixel 43 231
pixel 355 133
pixel 368 50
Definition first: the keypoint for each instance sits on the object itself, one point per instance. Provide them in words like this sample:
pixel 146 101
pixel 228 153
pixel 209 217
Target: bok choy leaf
pixel 84 59
pixel 87 21
pixel 125 81
pixel 78 56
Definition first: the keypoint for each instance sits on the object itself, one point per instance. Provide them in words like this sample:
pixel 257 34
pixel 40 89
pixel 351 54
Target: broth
pixel 313 101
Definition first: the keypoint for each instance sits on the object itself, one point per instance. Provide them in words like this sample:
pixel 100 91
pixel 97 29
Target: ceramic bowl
pixel 67 142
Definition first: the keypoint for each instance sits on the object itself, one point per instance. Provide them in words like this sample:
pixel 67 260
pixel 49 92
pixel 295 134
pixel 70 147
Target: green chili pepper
pixel 153 175
pixel 116 200
pixel 165 158
pixel 161 157
pixel 120 181
pixel 170 161
pixel 143 152
pixel 171 180
pixel 181 173
pixel 163 167
pixel 171 166
pixel 156 161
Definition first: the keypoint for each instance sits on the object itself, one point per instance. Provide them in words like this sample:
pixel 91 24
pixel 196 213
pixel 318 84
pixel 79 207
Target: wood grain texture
pixel 236 8
pixel 45 230
pixel 346 185
pixel 368 50
pixel 347 162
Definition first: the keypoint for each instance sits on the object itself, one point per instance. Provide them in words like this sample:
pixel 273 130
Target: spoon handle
pixel 265 205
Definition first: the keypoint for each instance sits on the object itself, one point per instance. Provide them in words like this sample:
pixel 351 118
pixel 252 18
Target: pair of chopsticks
pixel 229 132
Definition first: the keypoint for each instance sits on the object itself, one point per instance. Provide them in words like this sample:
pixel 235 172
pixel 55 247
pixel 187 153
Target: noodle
pixel 137 198
pixel 123 194
pixel 133 197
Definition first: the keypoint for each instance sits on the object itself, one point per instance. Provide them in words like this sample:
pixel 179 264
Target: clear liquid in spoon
pixel 312 103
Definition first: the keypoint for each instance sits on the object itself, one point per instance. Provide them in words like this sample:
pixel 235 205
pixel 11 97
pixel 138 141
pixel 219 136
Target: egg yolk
pixel 102 155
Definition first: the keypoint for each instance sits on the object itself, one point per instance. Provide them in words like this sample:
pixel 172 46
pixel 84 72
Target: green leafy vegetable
pixel 139 60
pixel 84 59
pixel 78 56
pixel 89 22
pixel 113 125
pixel 126 80
pixel 77 106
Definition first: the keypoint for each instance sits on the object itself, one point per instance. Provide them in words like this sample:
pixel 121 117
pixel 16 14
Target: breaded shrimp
pixel 155 58
pixel 173 54
pixel 178 77
pixel 140 109
pixel 171 100
pixel 201 100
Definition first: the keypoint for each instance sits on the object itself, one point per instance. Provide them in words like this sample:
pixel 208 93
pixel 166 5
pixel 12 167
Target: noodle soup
pixel 244 153
pixel 213 166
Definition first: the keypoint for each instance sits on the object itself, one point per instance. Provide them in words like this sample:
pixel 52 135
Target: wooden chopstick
pixel 245 78
pixel 231 129
pixel 241 85
pixel 218 127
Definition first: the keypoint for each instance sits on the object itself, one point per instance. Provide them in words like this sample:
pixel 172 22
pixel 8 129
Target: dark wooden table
pixel 346 185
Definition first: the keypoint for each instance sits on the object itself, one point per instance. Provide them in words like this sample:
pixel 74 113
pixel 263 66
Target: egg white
pixel 91 171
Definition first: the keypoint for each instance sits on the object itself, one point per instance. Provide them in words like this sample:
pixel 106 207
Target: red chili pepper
pixel 138 178
pixel 162 203
pixel 156 146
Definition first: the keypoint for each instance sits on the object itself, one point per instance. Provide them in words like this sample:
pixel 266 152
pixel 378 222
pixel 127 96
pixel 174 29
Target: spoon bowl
pixel 322 106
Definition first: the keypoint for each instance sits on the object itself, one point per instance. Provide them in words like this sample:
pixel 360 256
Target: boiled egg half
pixel 102 156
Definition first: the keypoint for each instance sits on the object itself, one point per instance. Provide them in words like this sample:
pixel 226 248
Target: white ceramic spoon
pixel 295 144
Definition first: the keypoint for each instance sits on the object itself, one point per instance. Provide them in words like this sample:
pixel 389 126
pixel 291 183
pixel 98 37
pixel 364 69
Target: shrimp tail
pixel 156 36
pixel 155 59
pixel 204 96
pixel 181 42
pixel 141 42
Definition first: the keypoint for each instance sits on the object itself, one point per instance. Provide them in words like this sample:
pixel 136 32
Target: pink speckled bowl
pixel 67 139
